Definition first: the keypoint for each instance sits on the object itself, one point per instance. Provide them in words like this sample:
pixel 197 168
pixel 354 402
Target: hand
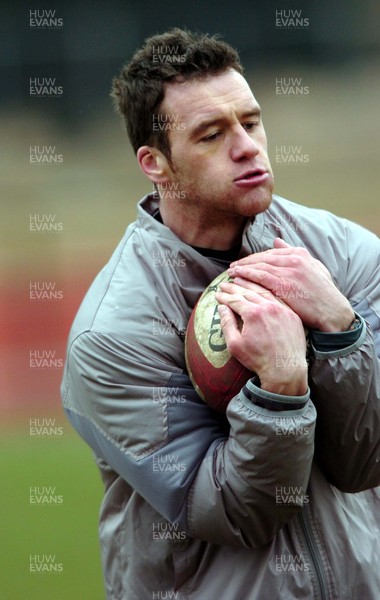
pixel 301 281
pixel 269 340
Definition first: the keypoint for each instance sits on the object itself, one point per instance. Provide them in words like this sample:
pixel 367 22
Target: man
pixel 277 499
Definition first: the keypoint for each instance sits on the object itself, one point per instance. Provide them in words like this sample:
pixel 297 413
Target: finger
pixel 280 287
pixel 276 258
pixel 279 243
pixel 277 287
pixel 262 256
pixel 228 323
pixel 241 287
pixel 239 303
pixel 256 287
pixel 231 288
pixel 233 301
pixel 267 276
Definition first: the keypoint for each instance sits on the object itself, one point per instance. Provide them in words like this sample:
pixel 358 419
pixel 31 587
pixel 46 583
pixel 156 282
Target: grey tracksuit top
pixel 272 501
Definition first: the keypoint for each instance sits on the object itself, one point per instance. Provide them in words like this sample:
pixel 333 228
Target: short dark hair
pixel 176 55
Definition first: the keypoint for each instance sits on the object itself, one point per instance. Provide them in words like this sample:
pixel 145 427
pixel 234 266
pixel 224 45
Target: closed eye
pixel 211 137
pixel 250 125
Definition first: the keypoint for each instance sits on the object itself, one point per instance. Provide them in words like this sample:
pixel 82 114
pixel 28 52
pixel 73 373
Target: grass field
pixel 63 527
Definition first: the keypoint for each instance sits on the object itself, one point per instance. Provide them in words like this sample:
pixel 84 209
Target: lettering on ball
pixel 216 339
pixel 207 327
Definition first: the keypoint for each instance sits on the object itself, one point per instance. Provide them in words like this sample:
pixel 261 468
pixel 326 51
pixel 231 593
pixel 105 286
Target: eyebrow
pixel 207 123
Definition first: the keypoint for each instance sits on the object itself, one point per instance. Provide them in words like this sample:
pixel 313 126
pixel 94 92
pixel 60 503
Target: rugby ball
pixel 215 374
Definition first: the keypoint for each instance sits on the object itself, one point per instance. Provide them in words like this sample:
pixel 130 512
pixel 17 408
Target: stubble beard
pixel 216 207
pixel 213 208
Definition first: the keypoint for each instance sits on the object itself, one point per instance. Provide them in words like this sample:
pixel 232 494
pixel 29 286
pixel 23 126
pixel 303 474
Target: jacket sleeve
pixel 234 480
pixel 345 383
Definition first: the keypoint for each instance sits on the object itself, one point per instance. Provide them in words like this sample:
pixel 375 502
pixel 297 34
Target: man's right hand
pixel 270 341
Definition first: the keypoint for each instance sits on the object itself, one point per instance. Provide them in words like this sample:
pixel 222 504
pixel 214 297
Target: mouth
pixel 252 178
pixel 248 175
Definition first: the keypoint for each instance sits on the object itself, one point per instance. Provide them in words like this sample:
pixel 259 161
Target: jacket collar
pixel 255 237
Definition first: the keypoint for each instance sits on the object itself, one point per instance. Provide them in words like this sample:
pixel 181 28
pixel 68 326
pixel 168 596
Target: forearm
pixel 345 385
pixel 256 481
pixel 234 481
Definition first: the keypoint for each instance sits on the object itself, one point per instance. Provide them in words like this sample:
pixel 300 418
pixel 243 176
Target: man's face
pixel 219 157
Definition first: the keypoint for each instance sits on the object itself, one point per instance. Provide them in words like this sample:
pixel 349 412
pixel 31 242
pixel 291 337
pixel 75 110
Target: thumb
pixel 279 243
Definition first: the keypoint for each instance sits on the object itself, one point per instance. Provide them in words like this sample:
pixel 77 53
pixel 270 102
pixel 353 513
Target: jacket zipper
pixel 315 555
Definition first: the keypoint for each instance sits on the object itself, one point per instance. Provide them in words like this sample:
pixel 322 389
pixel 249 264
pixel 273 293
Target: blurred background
pixel 69 188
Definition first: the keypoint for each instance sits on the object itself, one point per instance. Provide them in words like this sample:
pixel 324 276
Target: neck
pixel 216 232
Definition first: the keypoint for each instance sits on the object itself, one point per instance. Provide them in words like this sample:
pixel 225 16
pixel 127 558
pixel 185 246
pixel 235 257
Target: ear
pixel 153 164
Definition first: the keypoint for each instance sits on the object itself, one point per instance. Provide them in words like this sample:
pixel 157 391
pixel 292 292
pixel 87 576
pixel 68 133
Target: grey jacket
pixel 271 501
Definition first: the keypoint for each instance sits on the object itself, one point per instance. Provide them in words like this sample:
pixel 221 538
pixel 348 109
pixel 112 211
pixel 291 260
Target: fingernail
pixel 221 309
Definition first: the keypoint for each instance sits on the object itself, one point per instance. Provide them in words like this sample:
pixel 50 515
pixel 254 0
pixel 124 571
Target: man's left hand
pixel 301 281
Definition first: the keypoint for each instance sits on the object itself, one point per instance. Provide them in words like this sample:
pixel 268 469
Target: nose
pixel 243 145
